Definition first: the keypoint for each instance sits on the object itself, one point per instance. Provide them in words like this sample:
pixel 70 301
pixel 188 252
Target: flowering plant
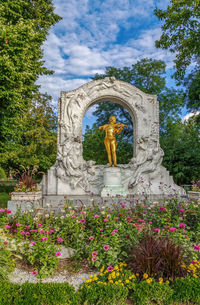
pixel 27 181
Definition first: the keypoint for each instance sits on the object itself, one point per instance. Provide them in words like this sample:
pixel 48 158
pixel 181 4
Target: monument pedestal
pixel 112 183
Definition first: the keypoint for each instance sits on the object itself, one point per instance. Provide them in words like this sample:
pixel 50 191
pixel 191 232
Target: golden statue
pixel 110 140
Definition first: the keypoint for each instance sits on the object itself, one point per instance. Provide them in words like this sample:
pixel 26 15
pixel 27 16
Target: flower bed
pixel 144 252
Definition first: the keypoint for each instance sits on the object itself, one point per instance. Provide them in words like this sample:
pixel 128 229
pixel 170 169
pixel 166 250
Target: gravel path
pixel 19 276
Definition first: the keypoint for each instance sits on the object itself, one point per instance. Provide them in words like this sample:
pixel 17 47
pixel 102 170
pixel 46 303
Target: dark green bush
pixel 100 294
pixel 187 289
pixel 38 294
pixel 154 293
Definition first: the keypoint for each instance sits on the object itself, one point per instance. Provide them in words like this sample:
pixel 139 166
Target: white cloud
pixel 189 115
pixel 85 41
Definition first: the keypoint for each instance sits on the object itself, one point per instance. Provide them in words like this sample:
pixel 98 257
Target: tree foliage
pixel 181 32
pixel 24 25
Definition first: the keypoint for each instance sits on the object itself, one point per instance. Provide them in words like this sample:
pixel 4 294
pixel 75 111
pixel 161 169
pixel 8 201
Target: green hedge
pixel 185 291
pixel 38 294
pixel 100 294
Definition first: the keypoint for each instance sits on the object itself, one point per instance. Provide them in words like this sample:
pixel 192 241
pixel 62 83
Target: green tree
pixel 192 83
pixel 181 29
pixel 181 144
pixel 24 25
pixel 37 145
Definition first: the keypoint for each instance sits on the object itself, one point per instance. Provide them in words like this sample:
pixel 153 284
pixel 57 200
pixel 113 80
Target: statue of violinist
pixel 110 140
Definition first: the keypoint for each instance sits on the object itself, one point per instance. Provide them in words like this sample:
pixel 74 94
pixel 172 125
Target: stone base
pixel 26 196
pixel 194 195
pixel 112 183
pixel 14 205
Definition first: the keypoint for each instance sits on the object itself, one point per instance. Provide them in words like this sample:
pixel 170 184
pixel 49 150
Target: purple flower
pixel 58 254
pixel 59 240
pixel 182 225
pixel 162 208
pixel 94 253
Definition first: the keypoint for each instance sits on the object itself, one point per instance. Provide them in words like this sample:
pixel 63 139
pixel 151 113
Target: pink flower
pixel 94 258
pixel 82 212
pixel 91 237
pixel 22 233
pixel 106 247
pixel 8 211
pixel 112 233
pixel 33 243
pixel 128 217
pixel 197 248
pixel 157 230
pixel 162 208
pixel 101 229
pixel 181 210
pixel 51 231
pixel 172 229
pixel 59 240
pixel 27 233
pixel 2 210
pixel 110 268
pixel 166 227
pixel 39 225
pixel 42 231
pixel 18 224
pixel 94 253
pixel 150 222
pixel 44 238
pixel 96 216
pixel 105 220
pixel 35 272
pixel 27 227
pixel 58 254
pixel 73 216
pixel 182 225
pixel 7 227
pixel 123 205
pixel 5 243
pixel 82 220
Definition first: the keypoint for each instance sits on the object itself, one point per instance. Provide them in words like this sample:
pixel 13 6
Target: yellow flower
pixel 145 275
pixel 160 280
pixel 91 275
pixel 111 281
pixel 127 281
pixel 116 283
pixel 101 274
pixel 149 280
pixel 117 274
pixel 116 268
pixel 167 282
pixel 119 281
pixel 102 269
pixel 137 274
pixel 196 276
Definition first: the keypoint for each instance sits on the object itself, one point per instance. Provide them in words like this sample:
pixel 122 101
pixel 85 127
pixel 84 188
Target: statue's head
pixel 112 119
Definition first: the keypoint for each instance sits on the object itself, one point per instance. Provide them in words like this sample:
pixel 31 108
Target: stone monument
pixel 72 176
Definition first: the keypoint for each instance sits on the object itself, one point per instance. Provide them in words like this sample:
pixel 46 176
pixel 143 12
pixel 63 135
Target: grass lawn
pixel 4 197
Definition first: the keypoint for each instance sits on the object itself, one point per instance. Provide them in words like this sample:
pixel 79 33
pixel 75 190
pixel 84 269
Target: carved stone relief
pixel 143 170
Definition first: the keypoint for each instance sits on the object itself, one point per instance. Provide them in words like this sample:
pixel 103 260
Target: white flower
pixel 47 215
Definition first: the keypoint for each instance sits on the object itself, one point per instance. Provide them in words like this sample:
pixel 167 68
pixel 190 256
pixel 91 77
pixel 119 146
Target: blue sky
pixel 94 34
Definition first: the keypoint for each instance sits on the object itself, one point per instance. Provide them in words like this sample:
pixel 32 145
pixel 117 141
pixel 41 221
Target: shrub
pixel 2 173
pixel 158 257
pixel 103 294
pixel 187 289
pixel 37 294
pixel 154 293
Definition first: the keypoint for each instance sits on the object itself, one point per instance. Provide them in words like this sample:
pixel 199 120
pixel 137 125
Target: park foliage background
pixel 28 122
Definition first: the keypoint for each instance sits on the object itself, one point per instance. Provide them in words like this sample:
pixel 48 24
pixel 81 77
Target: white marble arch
pixel 72 175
